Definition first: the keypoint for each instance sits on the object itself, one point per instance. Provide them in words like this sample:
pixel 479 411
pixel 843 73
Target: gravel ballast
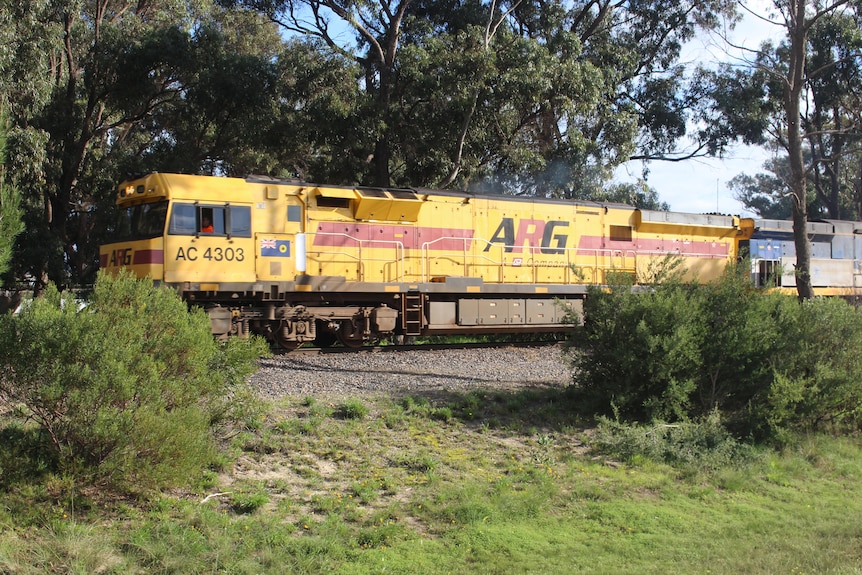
pixel 403 373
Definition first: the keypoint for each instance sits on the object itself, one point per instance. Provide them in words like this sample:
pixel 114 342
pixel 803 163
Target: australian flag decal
pixel 275 248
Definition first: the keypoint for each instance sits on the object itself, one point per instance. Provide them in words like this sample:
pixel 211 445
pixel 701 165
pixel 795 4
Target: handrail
pixel 602 258
pixel 399 253
pixel 492 256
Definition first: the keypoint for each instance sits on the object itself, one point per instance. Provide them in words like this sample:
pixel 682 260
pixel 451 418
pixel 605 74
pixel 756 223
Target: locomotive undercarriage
pixel 290 326
pixel 290 319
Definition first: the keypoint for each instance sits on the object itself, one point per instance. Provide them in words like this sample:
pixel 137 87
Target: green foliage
pixel 753 103
pixel 245 502
pixel 10 205
pixel 705 444
pixel 353 409
pixel 655 377
pixel 435 499
pixel 127 388
pixel 818 381
pixel 679 351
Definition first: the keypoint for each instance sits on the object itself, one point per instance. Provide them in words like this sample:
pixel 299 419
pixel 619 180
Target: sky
pixel 701 185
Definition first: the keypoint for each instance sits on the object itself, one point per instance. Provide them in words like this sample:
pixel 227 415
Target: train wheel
pixel 287 344
pixel 349 336
pixel 348 341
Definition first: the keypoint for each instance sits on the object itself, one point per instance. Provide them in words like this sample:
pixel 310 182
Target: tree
pixel 798 22
pixel 637 194
pixel 522 96
pixel 126 87
pixel 62 135
pixel 377 29
pixel 800 94
pixel 833 124
pixel 10 210
pixel 765 193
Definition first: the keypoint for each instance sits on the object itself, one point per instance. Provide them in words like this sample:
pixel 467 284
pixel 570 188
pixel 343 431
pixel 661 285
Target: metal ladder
pixel 412 317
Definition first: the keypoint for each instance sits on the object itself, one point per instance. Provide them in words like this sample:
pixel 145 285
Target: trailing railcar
pixel 836 256
pixel 301 262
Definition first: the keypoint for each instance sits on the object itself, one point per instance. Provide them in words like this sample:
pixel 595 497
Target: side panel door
pixel 275 242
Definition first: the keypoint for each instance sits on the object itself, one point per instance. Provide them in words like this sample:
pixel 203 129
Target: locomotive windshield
pixel 141 222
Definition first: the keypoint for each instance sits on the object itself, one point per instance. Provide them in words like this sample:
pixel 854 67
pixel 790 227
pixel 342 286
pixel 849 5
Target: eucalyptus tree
pixel 833 119
pixel 801 95
pixel 530 96
pixel 73 51
pixel 25 86
pixel 577 88
pixel 367 33
pixel 765 193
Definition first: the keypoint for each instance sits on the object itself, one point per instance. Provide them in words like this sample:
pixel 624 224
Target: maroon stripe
pixel 348 234
pixel 148 257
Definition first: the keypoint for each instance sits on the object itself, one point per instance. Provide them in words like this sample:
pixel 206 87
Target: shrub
pixel 679 351
pixel 705 444
pixel 639 351
pixel 130 387
pixel 818 380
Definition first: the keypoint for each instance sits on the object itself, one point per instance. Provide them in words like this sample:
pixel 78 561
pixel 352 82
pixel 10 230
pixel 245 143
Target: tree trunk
pixel 793 87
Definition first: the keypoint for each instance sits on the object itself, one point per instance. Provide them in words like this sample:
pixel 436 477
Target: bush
pixel 129 387
pixel 678 351
pixel 818 380
pixel 705 444
pixel 640 350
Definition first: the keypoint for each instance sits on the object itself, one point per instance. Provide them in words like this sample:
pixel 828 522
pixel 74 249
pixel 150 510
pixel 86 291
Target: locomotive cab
pixel 138 234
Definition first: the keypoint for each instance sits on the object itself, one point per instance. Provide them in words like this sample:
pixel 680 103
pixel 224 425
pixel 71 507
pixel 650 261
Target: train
pixel 299 262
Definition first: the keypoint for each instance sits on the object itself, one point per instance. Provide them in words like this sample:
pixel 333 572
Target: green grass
pixel 484 483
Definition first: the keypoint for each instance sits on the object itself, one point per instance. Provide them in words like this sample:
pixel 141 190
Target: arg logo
pixel 538 233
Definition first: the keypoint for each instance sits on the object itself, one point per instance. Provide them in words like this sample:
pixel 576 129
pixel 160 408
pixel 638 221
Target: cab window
pixel 141 222
pixel 201 219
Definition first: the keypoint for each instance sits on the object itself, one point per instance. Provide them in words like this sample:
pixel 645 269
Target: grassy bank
pixel 478 483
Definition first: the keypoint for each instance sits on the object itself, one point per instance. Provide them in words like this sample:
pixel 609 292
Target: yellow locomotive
pixel 301 262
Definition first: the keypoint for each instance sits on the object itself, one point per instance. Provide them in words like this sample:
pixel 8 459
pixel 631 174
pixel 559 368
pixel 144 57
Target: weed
pixel 353 409
pixel 705 444
pixel 470 406
pixel 441 414
pixel 422 462
pixel 244 502
pixel 416 406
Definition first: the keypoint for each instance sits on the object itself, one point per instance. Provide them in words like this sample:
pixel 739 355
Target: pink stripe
pixel 349 234
pixel 590 244
pixel 346 234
